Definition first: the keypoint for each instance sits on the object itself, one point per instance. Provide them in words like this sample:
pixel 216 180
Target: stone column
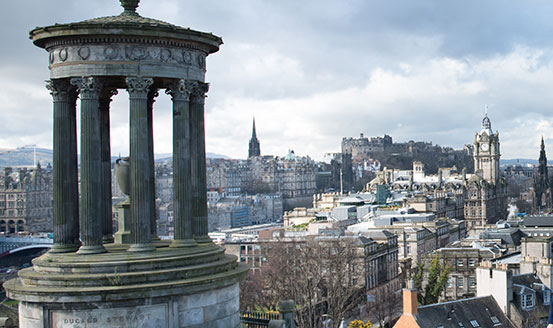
pixel 140 158
pixel 106 218
pixel 91 166
pixel 65 183
pixel 197 151
pixel 151 99
pixel 180 94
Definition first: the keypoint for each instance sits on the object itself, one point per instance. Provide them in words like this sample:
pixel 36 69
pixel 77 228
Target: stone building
pixel 463 261
pixel 364 145
pixel 292 176
pixel 377 256
pixel 486 190
pixel 524 298
pixel 296 180
pixel 26 200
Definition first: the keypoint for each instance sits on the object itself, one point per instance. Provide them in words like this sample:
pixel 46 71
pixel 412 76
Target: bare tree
pixel 323 275
pixel 385 309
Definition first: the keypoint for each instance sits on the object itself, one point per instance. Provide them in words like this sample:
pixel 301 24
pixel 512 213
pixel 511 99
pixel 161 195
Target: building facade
pixel 486 195
pixel 26 200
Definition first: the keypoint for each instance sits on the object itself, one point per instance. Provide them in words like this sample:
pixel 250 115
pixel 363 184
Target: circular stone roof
pixel 128 23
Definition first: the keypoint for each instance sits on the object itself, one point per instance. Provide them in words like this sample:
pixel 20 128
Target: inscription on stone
pixel 150 316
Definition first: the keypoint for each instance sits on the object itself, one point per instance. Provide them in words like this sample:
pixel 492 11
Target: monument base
pixel 168 287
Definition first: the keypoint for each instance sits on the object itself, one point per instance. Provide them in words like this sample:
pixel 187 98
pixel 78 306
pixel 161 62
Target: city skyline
pixel 314 72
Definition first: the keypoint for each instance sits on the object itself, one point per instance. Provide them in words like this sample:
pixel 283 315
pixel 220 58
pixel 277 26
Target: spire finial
pixel 129 6
pixel 254 134
pixel 486 110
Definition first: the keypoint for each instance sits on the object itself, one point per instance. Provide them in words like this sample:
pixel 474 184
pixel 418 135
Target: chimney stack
pixel 410 303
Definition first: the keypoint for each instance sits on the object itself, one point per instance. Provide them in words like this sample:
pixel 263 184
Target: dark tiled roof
pixel 509 236
pixel 532 283
pixel 450 314
pixel 538 221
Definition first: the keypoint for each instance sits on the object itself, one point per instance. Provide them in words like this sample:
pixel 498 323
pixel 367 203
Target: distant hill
pixel 25 156
pixel 518 161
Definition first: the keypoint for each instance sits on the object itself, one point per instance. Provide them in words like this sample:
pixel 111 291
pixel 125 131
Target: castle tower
pixel 254 149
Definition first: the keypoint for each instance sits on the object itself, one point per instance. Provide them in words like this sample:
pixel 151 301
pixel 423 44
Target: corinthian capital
pixel 61 90
pixel 89 87
pixel 138 87
pixel 199 92
pixel 181 89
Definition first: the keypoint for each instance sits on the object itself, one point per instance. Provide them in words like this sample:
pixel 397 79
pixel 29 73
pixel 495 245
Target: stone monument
pixel 87 279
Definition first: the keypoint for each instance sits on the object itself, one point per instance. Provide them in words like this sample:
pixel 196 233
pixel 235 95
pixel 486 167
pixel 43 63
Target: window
pixel 459 263
pixel 494 319
pixel 527 301
pixel 472 282
pixel 450 282
pixel 547 296
pixel 472 263
pixel 474 323
pixel 460 282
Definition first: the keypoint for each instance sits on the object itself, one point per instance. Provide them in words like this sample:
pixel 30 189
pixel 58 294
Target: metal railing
pixel 257 319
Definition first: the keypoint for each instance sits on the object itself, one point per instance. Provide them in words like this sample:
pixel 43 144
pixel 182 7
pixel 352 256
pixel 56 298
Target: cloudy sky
pixel 313 71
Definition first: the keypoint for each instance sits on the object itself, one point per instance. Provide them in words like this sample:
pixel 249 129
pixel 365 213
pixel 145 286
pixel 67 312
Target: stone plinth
pixel 123 234
pixel 168 287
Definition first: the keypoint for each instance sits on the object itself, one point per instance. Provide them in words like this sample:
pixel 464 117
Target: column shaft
pixel 153 224
pixel 141 161
pixel 65 183
pixel 107 217
pixel 182 200
pixel 91 166
pixel 198 161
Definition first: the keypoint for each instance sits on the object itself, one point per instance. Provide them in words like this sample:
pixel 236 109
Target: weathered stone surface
pixel 127 59
pixel 167 312
pixel 140 316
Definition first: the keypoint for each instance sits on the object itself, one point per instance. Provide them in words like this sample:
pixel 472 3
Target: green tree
pixel 435 282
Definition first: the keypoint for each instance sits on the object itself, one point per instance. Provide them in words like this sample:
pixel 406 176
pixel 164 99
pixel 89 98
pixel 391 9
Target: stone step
pixel 161 258
pixel 116 278
pixel 69 294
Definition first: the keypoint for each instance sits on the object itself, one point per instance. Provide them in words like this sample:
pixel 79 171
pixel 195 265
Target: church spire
pixel 254 135
pixel 254 149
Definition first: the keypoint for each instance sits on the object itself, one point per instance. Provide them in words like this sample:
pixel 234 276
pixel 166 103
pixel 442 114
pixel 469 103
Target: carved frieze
pixel 128 52
pixel 83 53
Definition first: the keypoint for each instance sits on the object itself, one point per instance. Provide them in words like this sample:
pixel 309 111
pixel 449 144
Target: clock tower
pixel 486 190
pixel 486 152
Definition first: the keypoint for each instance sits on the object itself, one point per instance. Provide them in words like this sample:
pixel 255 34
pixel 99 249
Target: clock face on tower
pixel 484 147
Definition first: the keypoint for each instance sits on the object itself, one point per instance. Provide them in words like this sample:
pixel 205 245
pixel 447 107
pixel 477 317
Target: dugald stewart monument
pixel 91 277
